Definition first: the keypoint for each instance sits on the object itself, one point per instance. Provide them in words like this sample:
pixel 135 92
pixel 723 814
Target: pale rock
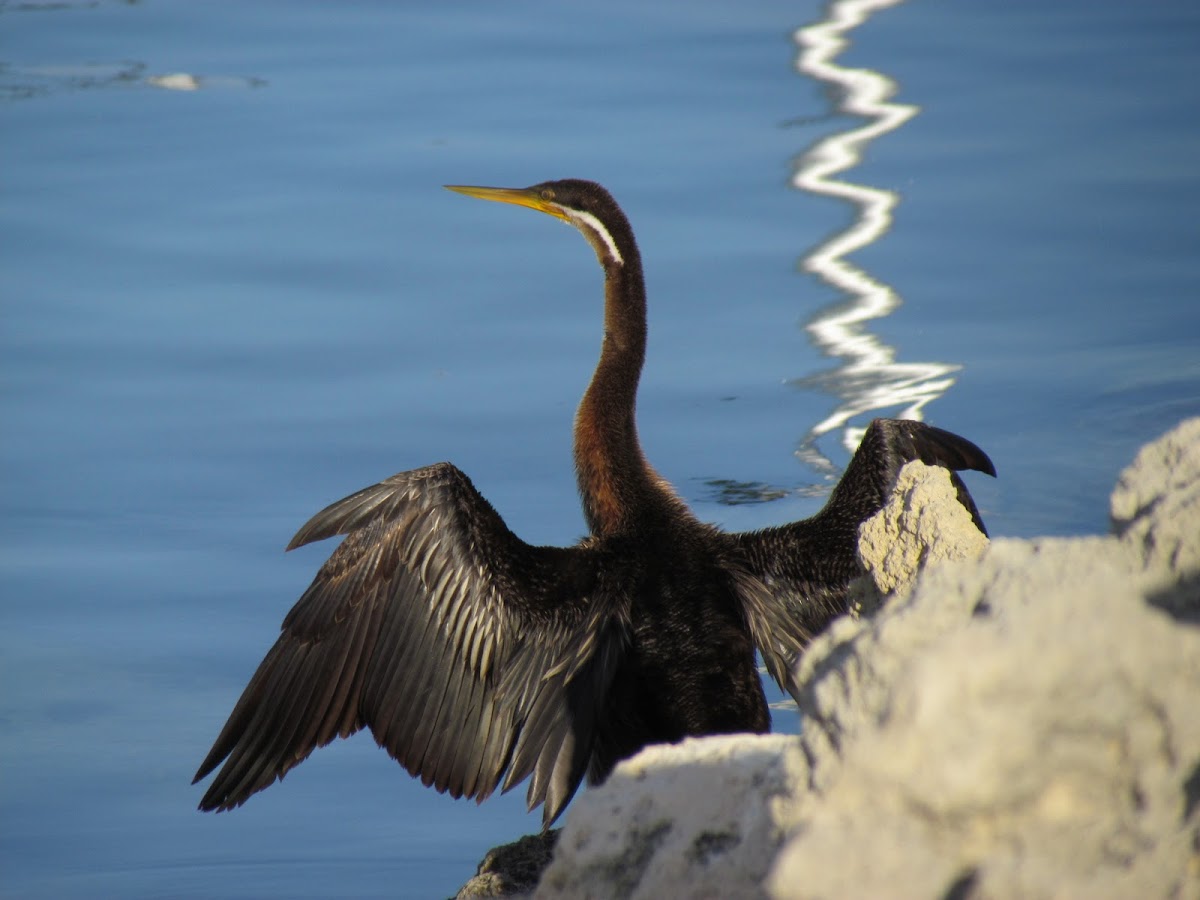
pixel 923 524
pixel 700 819
pixel 1155 509
pixel 1047 746
pixel 1026 725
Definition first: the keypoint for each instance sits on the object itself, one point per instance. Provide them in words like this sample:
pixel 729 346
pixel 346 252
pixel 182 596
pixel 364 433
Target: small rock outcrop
pixel 922 525
pixel 676 818
pixel 511 870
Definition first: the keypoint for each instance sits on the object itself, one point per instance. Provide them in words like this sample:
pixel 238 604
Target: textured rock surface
pixel 1041 735
pixel 1155 510
pixel 923 524
pixel 1024 724
pixel 700 819
pixel 511 870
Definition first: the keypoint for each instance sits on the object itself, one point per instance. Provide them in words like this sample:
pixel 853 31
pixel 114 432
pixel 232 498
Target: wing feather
pixel 469 654
pixel 794 577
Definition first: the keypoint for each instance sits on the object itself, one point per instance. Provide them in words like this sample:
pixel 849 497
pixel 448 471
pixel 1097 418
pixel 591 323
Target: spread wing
pixel 797 574
pixel 471 655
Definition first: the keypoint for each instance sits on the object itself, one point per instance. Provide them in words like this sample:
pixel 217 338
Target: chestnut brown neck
pixel 617 485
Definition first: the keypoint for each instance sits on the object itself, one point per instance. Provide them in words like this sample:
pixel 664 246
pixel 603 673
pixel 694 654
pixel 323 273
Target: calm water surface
pixel 232 291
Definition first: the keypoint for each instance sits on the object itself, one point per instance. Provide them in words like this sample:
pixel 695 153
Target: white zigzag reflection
pixel 869 378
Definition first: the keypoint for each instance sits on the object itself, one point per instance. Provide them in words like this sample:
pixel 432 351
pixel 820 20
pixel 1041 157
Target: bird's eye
pixel 547 194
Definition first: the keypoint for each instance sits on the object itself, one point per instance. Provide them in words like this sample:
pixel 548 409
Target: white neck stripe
pixel 590 224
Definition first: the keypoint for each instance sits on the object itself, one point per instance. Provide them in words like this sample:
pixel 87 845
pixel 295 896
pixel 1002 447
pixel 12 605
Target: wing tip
pixel 974 457
pixel 957 452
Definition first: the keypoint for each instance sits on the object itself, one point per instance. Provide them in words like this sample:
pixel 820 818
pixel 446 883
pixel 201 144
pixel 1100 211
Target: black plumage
pixel 478 660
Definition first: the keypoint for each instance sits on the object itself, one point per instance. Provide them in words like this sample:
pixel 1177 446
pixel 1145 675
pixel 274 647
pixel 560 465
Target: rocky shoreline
pixel 1018 718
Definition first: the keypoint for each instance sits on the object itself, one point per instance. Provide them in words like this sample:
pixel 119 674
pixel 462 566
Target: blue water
pixel 223 307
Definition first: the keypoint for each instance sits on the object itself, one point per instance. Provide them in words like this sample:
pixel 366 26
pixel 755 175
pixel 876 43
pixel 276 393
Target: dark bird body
pixel 478 660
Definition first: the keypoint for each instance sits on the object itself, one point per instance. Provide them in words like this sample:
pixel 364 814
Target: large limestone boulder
pixel 1037 736
pixel 1027 725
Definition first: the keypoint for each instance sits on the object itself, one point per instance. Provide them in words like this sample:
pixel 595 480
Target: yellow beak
pixel 517 196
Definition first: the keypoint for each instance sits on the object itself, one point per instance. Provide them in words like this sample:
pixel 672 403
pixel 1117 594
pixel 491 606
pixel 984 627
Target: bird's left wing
pixel 471 655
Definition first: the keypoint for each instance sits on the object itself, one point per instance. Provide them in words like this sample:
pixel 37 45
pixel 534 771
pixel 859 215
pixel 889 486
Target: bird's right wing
pixel 471 655
pixel 796 575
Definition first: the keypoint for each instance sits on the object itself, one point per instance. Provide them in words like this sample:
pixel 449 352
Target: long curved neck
pixel 616 483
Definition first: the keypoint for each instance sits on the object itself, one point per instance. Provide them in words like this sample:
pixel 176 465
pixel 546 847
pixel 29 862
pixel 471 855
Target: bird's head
pixel 584 204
